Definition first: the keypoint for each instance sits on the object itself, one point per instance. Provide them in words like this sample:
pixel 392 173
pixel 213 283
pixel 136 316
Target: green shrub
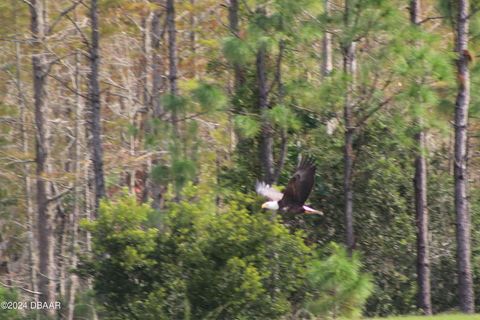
pixel 340 288
pixel 198 262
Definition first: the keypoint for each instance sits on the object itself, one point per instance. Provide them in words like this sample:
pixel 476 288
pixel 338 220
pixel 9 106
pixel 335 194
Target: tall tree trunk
pixel 72 290
pixel 421 208
pixel 465 283
pixel 157 63
pixel 327 58
pixel 421 214
pixel 95 175
pixel 349 67
pixel 93 111
pixel 193 40
pixel 172 59
pixel 89 215
pixel 266 134
pixel 146 62
pixel 238 72
pixel 32 247
pixel 45 216
pixel 239 77
pixel 281 94
pixel 156 190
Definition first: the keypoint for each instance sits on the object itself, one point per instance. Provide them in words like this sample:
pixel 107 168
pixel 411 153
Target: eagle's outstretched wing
pixel 301 183
pixel 267 191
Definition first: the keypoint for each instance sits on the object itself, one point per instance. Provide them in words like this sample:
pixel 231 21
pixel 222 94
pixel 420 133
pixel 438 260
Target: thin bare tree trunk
pixel 172 59
pixel 89 215
pixel 327 58
pixel 193 40
pixel 95 188
pixel 421 208
pixel 62 244
pixel 349 67
pixel 93 116
pixel 45 223
pixel 72 290
pixel 31 217
pixel 147 60
pixel 463 225
pixel 157 63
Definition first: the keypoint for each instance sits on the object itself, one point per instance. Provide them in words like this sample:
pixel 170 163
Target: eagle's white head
pixel 270 205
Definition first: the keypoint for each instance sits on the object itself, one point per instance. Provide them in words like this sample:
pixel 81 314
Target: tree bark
pixel 327 58
pixel 421 214
pixel 465 283
pixel 32 246
pixel 266 135
pixel 45 216
pixel 349 67
pixel 146 61
pixel 157 63
pixel 239 77
pixel 155 189
pixel 74 217
pixel 281 94
pixel 93 116
pixel 421 208
pixel 193 40
pixel 172 59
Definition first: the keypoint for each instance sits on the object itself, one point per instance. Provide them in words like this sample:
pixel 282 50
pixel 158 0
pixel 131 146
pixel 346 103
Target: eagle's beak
pixel 264 206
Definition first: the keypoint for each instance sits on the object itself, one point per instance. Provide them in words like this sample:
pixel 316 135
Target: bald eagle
pixel 297 191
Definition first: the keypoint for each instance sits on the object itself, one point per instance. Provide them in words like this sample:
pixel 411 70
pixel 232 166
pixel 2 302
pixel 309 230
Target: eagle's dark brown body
pixel 298 190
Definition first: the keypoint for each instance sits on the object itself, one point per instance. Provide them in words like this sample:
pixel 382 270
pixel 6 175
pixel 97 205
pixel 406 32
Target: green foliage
pixel 204 263
pixel 160 174
pixel 175 102
pixel 210 97
pixel 213 254
pixel 8 295
pixel 183 170
pixel 283 117
pixel 383 211
pixel 341 288
pixel 237 51
pixel 247 126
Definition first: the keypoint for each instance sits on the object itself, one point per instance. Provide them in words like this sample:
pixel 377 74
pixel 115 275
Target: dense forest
pixel 133 133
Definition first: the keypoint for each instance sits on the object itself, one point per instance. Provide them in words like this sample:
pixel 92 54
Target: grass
pixel 436 317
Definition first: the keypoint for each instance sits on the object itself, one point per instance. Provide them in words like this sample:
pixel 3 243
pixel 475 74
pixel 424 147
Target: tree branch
pixel 372 111
pixel 28 3
pixel 278 66
pixel 84 38
pixel 60 194
pixel 15 287
pixel 431 18
pixel 67 86
pixel 63 14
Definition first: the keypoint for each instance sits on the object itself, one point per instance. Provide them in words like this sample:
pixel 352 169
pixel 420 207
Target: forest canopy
pixel 133 134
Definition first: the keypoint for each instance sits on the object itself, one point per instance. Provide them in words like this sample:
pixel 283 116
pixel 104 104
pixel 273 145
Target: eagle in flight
pixel 297 191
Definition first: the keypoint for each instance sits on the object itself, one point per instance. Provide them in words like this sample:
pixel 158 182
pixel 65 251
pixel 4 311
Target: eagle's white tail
pixel 309 210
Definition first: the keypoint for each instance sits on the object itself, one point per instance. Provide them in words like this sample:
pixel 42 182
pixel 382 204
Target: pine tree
pixel 463 220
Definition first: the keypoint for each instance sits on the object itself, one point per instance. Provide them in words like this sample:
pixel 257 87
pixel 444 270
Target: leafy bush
pixel 199 262
pixel 341 289
pixel 7 295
